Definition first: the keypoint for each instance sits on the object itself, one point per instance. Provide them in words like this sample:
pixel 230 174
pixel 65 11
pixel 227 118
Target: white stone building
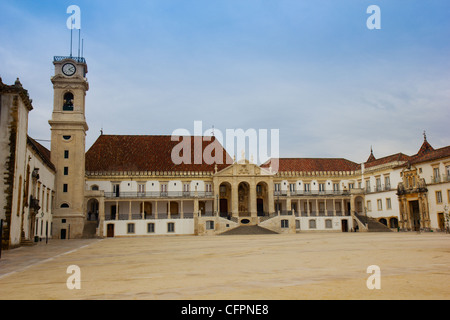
pixel 130 186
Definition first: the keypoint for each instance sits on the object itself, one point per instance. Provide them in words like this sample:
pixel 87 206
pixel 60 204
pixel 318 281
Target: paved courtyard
pixel 258 267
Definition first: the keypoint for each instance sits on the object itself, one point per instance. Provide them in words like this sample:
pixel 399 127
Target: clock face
pixel 69 69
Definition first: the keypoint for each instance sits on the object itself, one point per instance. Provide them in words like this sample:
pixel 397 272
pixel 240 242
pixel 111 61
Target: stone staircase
pixel 372 224
pixel 90 230
pixel 27 243
pixel 248 230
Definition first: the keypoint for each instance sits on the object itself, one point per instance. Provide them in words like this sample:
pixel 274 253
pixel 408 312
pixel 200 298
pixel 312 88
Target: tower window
pixel 66 171
pixel 68 102
pixel 65 188
pixel 66 154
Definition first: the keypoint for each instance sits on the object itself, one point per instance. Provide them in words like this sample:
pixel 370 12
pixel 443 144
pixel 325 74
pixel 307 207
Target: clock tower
pixel 68 140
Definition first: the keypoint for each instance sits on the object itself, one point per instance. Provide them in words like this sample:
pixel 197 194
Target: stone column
pixel 235 200
pixel 181 210
pixel 129 211
pixel 270 195
pixel 101 216
pixel 252 197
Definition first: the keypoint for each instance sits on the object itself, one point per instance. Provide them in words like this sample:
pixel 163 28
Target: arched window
pixel 65 206
pixel 68 102
pixel 94 188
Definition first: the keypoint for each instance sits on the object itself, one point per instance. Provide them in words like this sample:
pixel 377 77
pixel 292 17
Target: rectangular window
pixel 328 224
pixel 388 203
pixel 436 172
pixel 307 187
pixel 292 187
pixel 335 187
pixel 130 228
pixel 163 189
pixel 438 197
pixel 368 185
pixel 277 187
pixel 150 228
pixel 66 154
pixel 379 205
pixel 321 187
pixel 116 189
pixel 141 187
pixel 171 227
pixel 209 225
pixel 66 171
pixel 387 183
pixel 351 185
pixel 312 224
pixel 284 224
pixel 378 184
pixel 208 187
pixel 369 205
pixel 297 224
pixel 65 187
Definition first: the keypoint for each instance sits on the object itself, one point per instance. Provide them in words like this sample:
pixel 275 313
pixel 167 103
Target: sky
pixel 311 69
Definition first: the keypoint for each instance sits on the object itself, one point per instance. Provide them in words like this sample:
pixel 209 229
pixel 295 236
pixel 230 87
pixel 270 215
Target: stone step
pixel 248 230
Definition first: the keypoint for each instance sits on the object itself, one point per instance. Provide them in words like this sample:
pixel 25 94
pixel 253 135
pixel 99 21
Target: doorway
pixel 415 215
pixel 223 207
pixel 63 234
pixel 260 207
pixel 344 226
pixel 441 221
pixel 110 230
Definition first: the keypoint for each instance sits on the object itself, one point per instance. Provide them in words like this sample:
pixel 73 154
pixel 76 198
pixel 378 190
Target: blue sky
pixel 311 69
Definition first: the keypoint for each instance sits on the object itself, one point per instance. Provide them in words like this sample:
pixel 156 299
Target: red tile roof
pixel 314 164
pixel 392 158
pixel 41 151
pixel 111 153
pixel 430 155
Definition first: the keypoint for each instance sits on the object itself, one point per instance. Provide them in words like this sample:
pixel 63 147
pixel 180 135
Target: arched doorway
pixel 383 221
pixel 262 199
pixel 244 199
pixel 92 210
pixel 393 223
pixel 359 205
pixel 225 200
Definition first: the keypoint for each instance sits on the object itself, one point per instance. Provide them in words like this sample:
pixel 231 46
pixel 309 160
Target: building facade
pixel 130 185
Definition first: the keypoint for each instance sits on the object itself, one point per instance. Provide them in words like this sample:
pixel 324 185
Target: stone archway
pixel 225 198
pixel 262 198
pixel 92 213
pixel 359 205
pixel 244 199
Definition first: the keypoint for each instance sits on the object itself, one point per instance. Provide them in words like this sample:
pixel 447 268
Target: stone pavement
pixel 236 267
pixel 20 259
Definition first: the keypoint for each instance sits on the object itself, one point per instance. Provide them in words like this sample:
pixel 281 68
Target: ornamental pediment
pixel 244 168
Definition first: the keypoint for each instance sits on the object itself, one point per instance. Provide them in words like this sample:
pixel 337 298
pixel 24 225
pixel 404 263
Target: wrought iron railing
pixel 157 194
pixel 77 59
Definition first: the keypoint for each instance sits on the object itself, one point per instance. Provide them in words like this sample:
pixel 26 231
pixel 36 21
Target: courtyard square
pixel 254 267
